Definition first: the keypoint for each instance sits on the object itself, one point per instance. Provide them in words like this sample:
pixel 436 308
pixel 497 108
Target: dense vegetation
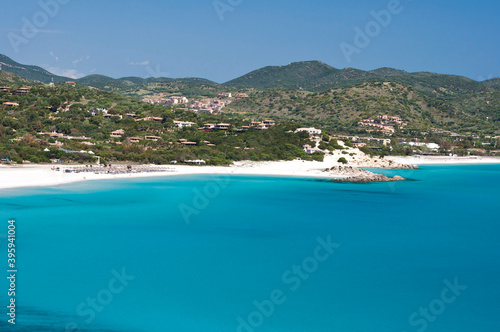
pixel 42 110
pixel 341 109
pixel 300 94
pixel 316 76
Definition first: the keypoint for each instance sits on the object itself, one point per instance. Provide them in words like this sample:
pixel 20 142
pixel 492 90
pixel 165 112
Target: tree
pixel 342 160
pixel 55 102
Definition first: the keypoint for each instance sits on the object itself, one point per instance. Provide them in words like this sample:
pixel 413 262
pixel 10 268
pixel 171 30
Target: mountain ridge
pixel 39 74
pixel 305 75
pixel 323 77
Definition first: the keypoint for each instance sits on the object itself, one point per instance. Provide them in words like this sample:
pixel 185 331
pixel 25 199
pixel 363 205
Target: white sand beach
pixel 15 176
pixel 42 175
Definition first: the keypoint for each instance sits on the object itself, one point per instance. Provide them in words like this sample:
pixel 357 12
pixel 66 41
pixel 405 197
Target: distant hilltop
pixel 306 75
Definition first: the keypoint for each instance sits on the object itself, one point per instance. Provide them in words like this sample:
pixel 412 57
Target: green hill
pixel 308 75
pixel 97 79
pixel 341 109
pixel 38 74
pixel 317 76
pixel 492 84
pixel 9 79
pixel 297 75
pixel 318 94
pixel 33 73
pixel 107 83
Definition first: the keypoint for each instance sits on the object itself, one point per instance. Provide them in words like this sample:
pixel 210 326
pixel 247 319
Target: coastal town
pixel 203 106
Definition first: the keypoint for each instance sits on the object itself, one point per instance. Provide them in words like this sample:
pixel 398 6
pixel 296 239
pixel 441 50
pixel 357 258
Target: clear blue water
pixel 396 244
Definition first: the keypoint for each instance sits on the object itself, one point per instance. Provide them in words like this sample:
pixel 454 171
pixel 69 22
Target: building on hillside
pixel 222 126
pixel 150 118
pixel 269 123
pixel 358 144
pixel 22 91
pixel 195 162
pixel 109 116
pixel 183 124
pixel 430 146
pixel 152 138
pixel 117 133
pixel 184 141
pixel 310 131
pixel 309 149
pixel 9 104
pixel 134 139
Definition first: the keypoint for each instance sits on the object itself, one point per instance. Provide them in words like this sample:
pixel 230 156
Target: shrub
pixel 348 143
pixel 342 160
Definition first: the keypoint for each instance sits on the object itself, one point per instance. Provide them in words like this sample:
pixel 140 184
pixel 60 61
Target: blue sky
pixel 191 38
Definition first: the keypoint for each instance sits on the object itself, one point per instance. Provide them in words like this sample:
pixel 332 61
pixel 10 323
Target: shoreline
pixel 21 176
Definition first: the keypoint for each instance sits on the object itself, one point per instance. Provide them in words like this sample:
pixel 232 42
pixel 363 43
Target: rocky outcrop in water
pixel 403 166
pixel 354 174
pixel 371 178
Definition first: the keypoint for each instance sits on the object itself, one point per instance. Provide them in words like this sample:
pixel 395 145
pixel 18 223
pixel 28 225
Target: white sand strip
pixel 42 175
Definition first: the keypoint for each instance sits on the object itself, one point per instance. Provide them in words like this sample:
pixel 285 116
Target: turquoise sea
pixel 245 253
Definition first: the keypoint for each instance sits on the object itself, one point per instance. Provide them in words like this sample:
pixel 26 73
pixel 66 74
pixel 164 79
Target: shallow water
pixel 201 253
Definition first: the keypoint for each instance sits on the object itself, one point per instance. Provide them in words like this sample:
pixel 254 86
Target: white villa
pixel 311 131
pixel 182 124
